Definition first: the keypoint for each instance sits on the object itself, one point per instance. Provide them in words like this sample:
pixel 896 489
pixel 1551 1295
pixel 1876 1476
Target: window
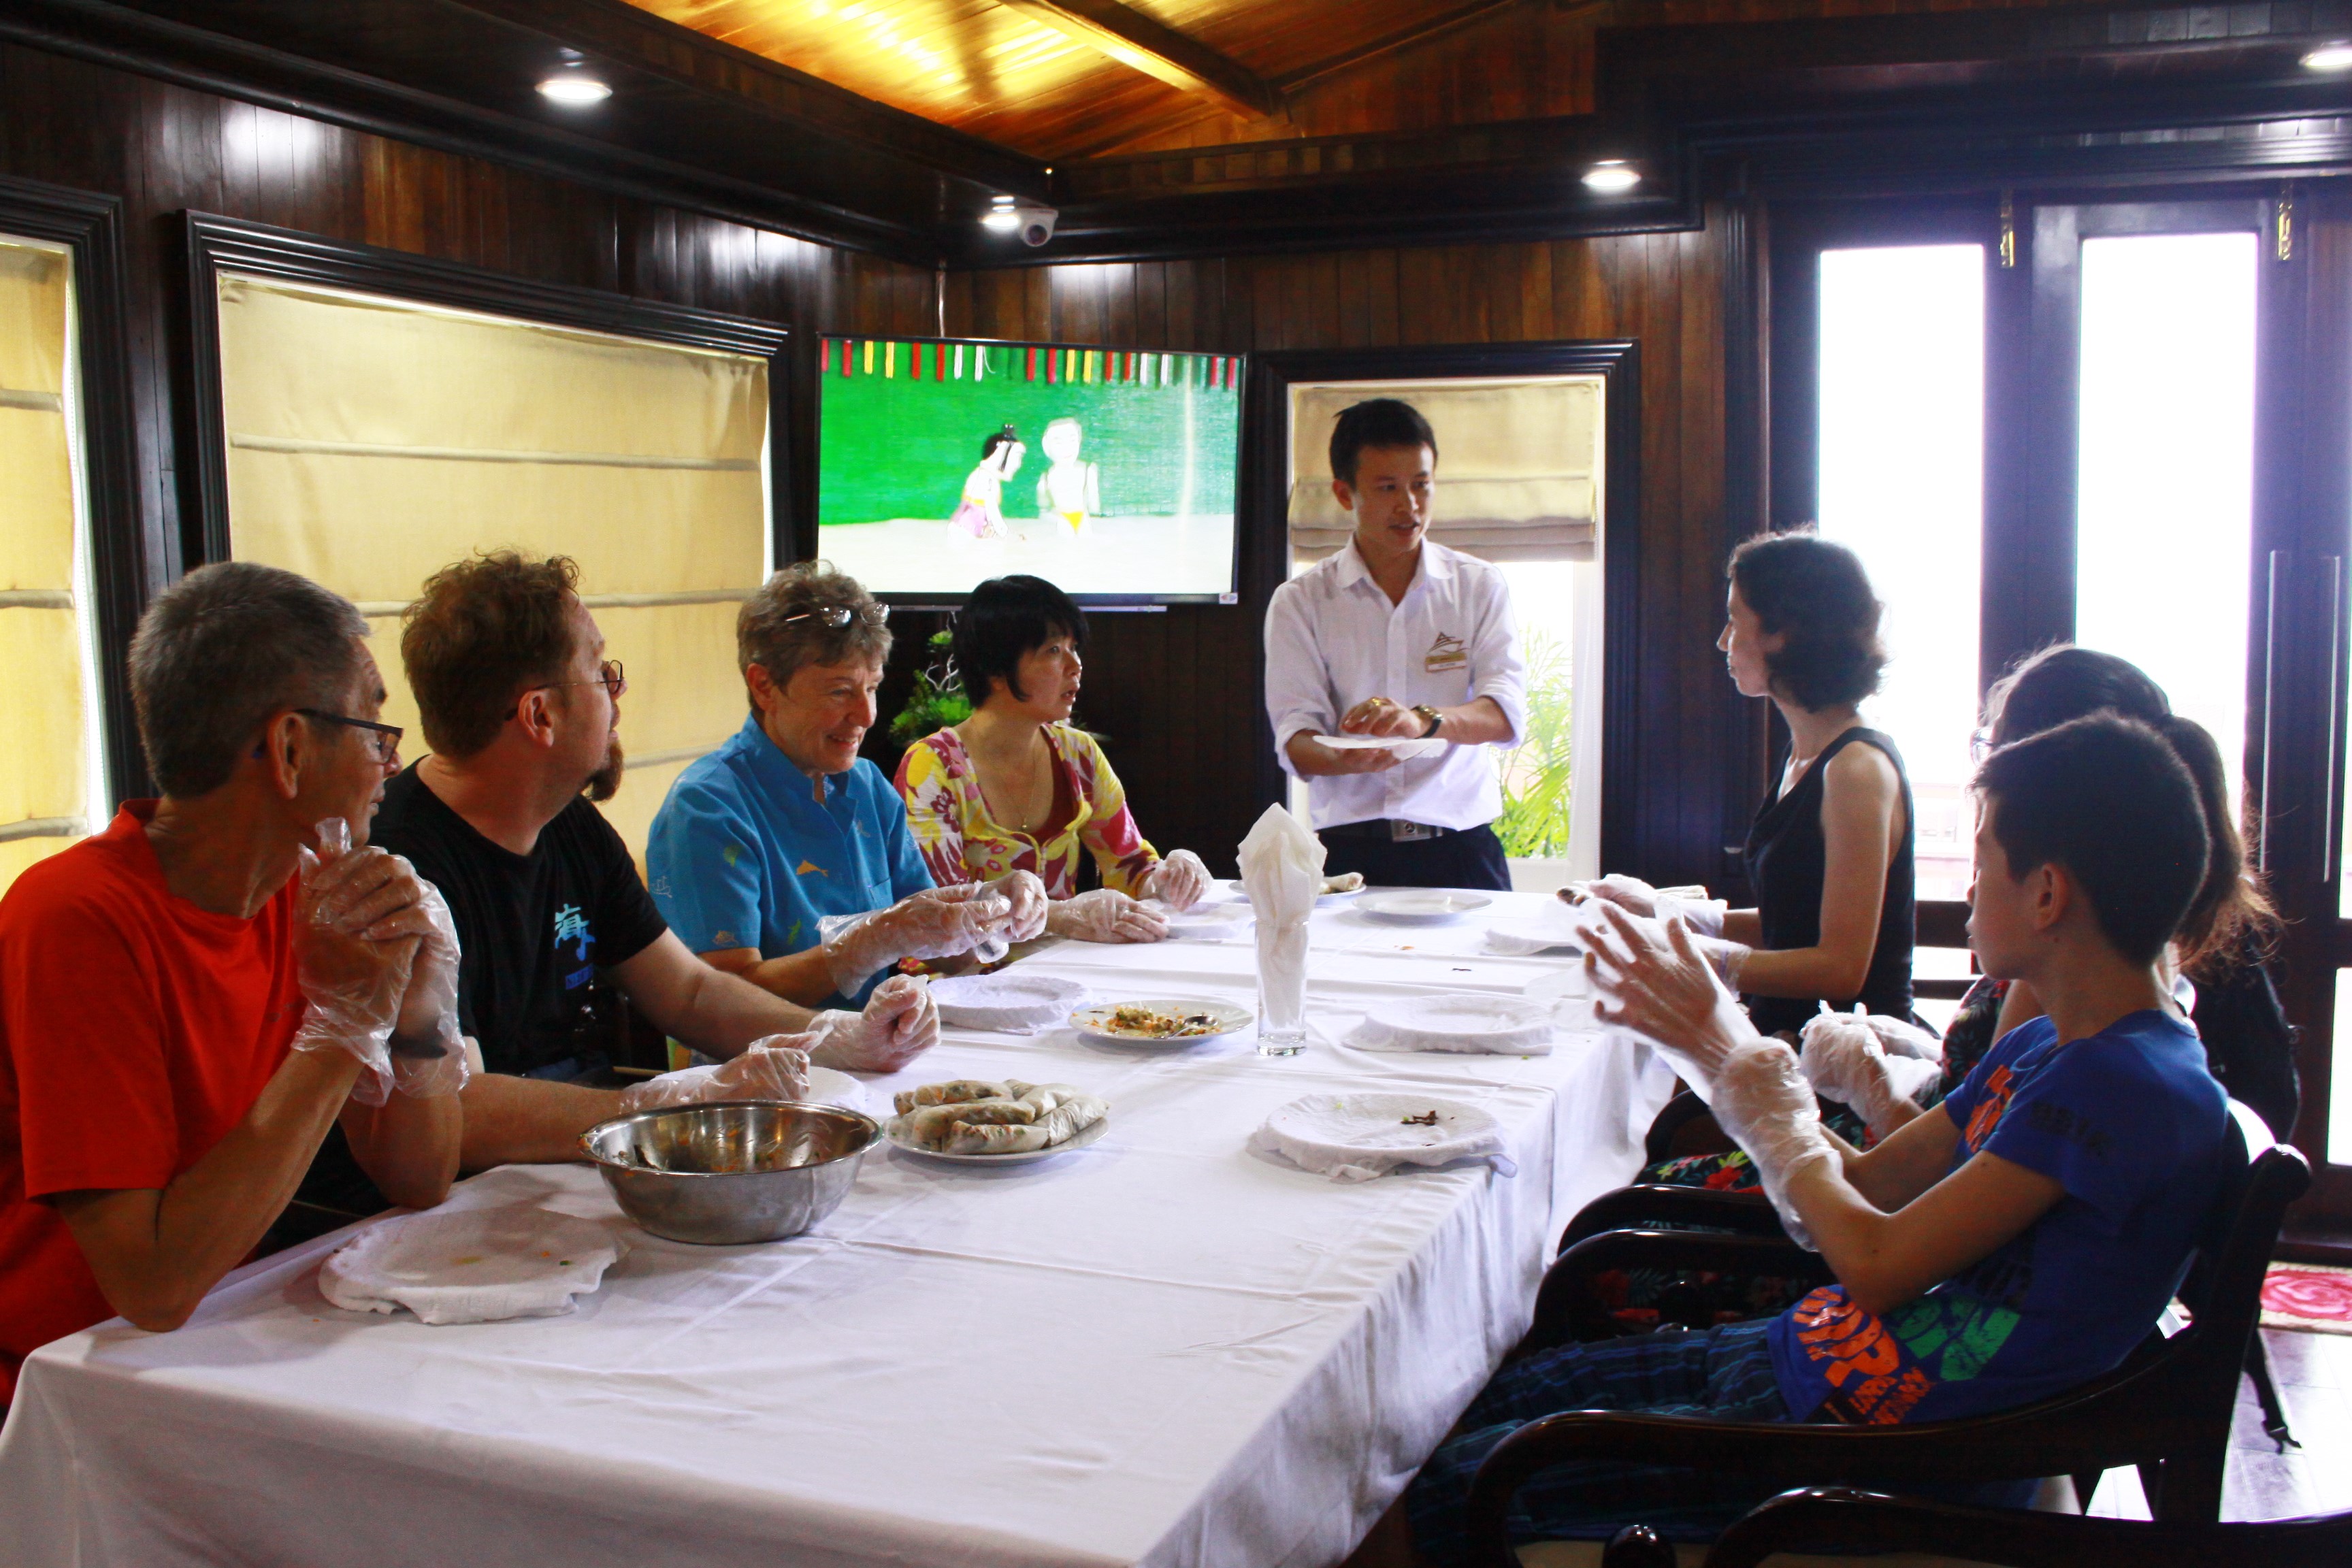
pixel 52 777
pixel 372 440
pixel 1902 466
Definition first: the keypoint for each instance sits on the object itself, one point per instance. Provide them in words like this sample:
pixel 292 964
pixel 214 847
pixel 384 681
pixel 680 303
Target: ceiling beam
pixel 1137 41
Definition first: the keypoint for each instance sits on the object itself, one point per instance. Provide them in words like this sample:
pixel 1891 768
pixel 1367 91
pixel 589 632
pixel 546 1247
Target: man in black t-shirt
pixel 522 713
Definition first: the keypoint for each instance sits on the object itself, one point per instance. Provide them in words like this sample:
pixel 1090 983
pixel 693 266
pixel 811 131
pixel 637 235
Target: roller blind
pixel 372 441
pixel 49 780
pixel 1518 470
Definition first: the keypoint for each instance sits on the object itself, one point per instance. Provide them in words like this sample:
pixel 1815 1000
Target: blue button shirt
pixel 743 854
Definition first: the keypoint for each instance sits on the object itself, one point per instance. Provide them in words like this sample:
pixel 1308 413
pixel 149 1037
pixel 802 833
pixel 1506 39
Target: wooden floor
pixel 2314 1372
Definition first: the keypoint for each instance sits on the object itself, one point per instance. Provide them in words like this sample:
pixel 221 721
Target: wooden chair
pixel 1836 1518
pixel 2167 1409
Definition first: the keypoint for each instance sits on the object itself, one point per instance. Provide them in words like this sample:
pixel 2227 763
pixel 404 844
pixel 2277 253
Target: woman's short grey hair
pixel 782 626
pixel 221 650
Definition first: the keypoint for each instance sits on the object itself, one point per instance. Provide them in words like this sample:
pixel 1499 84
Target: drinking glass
pixel 1281 991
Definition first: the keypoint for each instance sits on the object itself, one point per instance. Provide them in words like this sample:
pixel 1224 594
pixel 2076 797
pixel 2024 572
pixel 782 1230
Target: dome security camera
pixel 1036 223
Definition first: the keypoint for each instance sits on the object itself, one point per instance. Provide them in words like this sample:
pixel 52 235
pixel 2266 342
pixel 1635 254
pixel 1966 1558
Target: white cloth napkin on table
pixel 1282 867
pixel 476 1266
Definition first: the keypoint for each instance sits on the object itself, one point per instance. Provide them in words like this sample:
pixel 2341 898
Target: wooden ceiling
pixel 1072 79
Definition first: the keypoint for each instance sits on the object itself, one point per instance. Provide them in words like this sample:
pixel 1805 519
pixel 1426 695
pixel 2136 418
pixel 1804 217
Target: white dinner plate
pixel 1406 747
pixel 1456 1021
pixel 1076 1141
pixel 1421 905
pixel 1225 1018
pixel 828 1087
pixel 1212 920
pixel 1007 1000
pixel 1567 993
pixel 1241 894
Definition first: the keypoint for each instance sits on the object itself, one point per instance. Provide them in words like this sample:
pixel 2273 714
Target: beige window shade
pixel 48 777
pixel 1518 470
pixel 372 441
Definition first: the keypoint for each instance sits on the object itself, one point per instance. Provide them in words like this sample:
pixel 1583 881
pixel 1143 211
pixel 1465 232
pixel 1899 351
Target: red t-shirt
pixel 135 1030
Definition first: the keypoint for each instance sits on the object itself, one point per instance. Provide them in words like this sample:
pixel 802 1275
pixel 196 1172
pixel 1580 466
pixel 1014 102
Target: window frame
pixel 123 541
pixel 2298 655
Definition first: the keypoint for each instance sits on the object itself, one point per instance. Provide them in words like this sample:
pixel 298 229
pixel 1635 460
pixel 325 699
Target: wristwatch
pixel 1432 716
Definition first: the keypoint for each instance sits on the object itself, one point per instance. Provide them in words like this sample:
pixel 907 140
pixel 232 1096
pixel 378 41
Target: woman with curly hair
pixel 1829 854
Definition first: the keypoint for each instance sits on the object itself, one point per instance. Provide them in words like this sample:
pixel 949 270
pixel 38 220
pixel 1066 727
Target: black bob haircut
pixel 1376 422
pixel 1004 619
pixel 1817 595
pixel 2110 800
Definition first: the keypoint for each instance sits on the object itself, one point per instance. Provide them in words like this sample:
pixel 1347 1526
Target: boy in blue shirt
pixel 784 856
pixel 2017 1239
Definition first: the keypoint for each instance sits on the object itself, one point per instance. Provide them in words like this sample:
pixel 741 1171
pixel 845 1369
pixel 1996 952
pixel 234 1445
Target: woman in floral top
pixel 1016 787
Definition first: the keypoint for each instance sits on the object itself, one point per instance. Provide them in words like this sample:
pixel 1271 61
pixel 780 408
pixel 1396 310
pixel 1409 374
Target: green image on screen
pixel 1124 482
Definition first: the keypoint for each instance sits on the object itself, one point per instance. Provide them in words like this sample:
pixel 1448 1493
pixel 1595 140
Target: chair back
pixel 2223 1287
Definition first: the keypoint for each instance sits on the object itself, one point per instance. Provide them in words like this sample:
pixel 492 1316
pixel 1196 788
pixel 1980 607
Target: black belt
pixel 1393 830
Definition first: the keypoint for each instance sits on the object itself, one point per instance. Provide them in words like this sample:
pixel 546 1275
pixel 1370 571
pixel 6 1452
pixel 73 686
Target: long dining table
pixel 1161 1349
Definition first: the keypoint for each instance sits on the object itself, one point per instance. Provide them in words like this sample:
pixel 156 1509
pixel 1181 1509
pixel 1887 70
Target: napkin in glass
pixel 1282 867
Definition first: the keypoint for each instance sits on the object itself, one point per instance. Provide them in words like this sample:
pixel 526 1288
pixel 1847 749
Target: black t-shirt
pixel 535 928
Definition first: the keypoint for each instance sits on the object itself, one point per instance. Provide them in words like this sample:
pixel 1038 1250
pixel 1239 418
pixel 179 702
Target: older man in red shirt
pixel 190 998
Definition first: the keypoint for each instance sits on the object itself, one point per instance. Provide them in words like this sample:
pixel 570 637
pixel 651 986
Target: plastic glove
pixel 1703 914
pixel 1106 915
pixel 428 1054
pixel 775 1068
pixel 1844 1061
pixel 1726 958
pixel 1180 882
pixel 1653 981
pixel 1902 1037
pixel 1763 1100
pixel 1026 893
pixel 900 1022
pixel 353 985
pixel 937 922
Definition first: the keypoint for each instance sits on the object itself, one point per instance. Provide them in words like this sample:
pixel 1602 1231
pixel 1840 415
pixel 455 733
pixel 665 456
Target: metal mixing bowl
pixel 731 1171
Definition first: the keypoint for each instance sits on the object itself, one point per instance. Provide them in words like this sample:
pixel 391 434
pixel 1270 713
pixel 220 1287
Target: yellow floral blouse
pixel 961 843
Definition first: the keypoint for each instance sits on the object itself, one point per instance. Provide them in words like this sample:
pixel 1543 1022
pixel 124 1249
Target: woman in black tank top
pixel 1829 854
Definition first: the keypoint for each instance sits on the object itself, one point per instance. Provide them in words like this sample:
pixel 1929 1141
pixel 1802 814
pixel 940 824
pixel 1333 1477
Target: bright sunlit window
pixel 1901 469
pixel 2163 541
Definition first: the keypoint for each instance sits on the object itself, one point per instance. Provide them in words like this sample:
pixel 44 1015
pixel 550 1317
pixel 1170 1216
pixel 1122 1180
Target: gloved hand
pixel 1179 882
pixel 353 984
pixel 937 922
pixel 1106 915
pixel 1763 1100
pixel 900 1022
pixel 1726 958
pixel 1655 981
pixel 1844 1061
pixel 774 1068
pixel 1704 915
pixel 1026 893
pixel 1901 1037
pixel 429 1055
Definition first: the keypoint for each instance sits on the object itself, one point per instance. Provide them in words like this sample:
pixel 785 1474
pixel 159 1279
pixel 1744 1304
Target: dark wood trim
pixel 213 245
pixel 121 552
pixel 1265 495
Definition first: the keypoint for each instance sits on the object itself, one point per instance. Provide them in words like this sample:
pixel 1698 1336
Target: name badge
pixel 1445 653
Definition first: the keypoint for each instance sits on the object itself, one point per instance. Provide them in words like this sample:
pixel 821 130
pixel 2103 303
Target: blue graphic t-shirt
pixel 2129 1123
pixel 744 854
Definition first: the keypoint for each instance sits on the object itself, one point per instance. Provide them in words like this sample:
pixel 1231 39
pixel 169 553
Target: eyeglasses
pixel 608 675
pixel 384 738
pixel 1979 745
pixel 873 615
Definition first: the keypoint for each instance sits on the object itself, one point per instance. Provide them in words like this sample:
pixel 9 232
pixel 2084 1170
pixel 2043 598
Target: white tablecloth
pixel 1161 1349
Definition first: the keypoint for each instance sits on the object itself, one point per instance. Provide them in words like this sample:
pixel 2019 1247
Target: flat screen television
pixel 1108 472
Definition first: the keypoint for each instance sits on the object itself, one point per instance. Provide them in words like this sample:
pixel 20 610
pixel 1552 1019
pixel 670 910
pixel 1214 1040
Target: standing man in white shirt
pixel 1397 635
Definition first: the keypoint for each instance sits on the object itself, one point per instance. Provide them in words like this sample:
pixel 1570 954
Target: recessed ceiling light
pixel 573 89
pixel 2331 57
pixel 1612 177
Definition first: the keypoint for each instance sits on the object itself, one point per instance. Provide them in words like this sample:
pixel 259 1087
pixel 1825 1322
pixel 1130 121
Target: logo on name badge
pixel 1445 653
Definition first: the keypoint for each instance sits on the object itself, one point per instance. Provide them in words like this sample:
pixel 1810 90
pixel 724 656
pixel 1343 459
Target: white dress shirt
pixel 1333 639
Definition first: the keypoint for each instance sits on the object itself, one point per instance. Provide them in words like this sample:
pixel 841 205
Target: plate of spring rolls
pixel 980 1122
